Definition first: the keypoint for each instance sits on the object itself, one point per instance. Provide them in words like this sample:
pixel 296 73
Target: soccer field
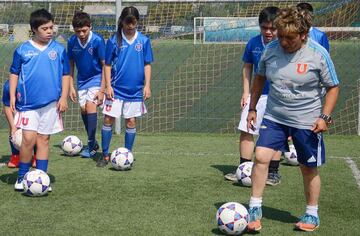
pixel 175 188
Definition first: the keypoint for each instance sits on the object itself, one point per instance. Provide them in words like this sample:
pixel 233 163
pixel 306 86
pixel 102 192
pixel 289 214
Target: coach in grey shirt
pixel 297 69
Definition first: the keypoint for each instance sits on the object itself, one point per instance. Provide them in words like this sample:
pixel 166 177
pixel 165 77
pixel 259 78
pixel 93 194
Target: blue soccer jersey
pixel 40 72
pixel 127 65
pixel 87 59
pixel 252 55
pixel 6 94
pixel 319 37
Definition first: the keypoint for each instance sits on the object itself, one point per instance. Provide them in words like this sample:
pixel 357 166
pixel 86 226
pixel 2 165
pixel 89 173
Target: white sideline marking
pixel 354 169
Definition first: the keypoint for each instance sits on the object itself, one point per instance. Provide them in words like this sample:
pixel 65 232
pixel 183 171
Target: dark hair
pixel 128 15
pixel 40 17
pixel 81 19
pixel 268 14
pixel 305 6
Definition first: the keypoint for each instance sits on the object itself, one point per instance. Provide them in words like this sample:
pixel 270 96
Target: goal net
pixel 196 75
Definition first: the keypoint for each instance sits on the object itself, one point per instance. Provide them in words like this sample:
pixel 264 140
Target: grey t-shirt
pixel 296 82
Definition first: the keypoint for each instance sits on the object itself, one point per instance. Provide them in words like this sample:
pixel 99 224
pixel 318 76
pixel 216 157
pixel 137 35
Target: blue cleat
pixel 85 153
pixel 308 223
pixel 255 215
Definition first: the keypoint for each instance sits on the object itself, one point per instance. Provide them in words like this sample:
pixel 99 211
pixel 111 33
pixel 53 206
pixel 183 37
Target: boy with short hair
pixel 39 77
pixel 86 50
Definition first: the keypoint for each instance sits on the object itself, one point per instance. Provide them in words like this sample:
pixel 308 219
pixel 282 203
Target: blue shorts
pixel 309 146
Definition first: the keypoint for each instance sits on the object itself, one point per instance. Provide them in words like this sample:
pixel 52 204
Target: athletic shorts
pixel 309 146
pixel 45 120
pixel 260 107
pixel 87 95
pixel 115 108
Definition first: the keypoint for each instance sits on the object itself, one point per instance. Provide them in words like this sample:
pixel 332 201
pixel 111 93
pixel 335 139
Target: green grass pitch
pixel 175 188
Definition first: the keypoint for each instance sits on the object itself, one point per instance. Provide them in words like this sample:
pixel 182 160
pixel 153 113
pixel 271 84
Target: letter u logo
pixel 107 108
pixel 301 68
pixel 25 121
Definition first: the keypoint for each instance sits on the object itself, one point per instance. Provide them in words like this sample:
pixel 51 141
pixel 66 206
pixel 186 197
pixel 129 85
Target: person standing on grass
pixel 14 158
pixel 86 50
pixel 298 68
pixel 128 60
pixel 39 86
pixel 251 58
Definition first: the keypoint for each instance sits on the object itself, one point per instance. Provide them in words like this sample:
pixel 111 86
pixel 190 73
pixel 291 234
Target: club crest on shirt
pixel 301 68
pixel 91 50
pixel 52 55
pixel 138 47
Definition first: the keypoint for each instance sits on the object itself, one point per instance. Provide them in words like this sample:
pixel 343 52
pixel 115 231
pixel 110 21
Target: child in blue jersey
pixel 39 87
pixel 14 158
pixel 127 79
pixel 86 50
pixel 251 57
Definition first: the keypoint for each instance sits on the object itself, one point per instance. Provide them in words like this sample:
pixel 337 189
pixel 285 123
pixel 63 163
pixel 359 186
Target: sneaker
pixel 308 223
pixel 96 146
pixel 102 162
pixel 86 154
pixel 33 164
pixel 14 161
pixel 19 185
pixel 231 177
pixel 255 215
pixel 273 179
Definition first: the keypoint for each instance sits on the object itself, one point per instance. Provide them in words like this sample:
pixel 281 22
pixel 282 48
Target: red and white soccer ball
pixel 122 159
pixel 232 218
pixel 36 183
pixel 243 173
pixel 71 145
pixel 16 139
pixel 291 156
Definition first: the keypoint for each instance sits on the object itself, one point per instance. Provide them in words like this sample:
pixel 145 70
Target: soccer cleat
pixel 308 223
pixel 231 177
pixel 102 162
pixel 19 185
pixel 273 179
pixel 14 161
pixel 33 164
pixel 96 146
pixel 86 154
pixel 255 215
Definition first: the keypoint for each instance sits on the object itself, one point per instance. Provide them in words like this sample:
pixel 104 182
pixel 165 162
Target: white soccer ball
pixel 122 159
pixel 232 218
pixel 71 145
pixel 16 139
pixel 243 173
pixel 36 183
pixel 291 156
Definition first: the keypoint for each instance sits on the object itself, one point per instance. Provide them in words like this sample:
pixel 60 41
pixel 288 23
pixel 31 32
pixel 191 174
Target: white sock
pixel 312 210
pixel 255 202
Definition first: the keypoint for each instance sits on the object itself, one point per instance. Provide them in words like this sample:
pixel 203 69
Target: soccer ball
pixel 16 139
pixel 71 145
pixel 232 218
pixel 36 183
pixel 122 159
pixel 291 156
pixel 243 173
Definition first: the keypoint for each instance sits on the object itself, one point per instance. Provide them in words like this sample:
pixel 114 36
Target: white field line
pixel 355 170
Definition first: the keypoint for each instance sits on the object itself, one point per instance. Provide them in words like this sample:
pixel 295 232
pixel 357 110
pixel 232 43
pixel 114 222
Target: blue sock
pixel 84 119
pixel 42 165
pixel 23 169
pixel 106 133
pixel 130 134
pixel 14 151
pixel 91 129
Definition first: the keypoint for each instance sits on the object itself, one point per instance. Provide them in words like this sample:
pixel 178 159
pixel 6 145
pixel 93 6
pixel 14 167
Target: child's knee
pixel 108 120
pixel 131 123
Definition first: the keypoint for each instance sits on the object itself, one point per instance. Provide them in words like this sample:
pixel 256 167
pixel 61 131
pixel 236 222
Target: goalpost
pixel 197 45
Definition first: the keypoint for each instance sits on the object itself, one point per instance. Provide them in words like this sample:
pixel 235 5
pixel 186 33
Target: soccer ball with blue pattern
pixel 243 173
pixel 36 183
pixel 232 218
pixel 291 156
pixel 71 145
pixel 122 159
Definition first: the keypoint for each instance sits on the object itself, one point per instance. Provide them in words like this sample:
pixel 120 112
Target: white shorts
pixel 260 107
pixel 46 120
pixel 87 95
pixel 116 108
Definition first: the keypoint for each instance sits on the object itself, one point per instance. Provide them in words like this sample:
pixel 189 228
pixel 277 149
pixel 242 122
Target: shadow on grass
pixel 225 169
pixel 11 178
pixel 4 158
